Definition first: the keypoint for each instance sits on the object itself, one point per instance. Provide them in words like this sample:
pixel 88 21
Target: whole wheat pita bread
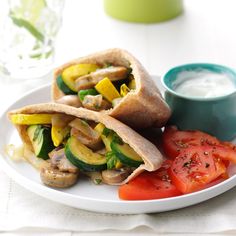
pixel 150 154
pixel 140 108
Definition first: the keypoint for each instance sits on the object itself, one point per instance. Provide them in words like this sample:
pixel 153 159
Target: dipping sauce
pixel 203 83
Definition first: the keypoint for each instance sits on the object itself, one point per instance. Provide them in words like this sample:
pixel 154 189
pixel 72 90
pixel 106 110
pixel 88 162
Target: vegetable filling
pixel 72 146
pixel 96 87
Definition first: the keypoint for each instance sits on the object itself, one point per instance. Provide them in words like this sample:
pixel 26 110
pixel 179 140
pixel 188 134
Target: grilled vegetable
pixel 60 128
pixel 82 157
pixel 126 154
pixel 85 92
pixel 124 90
pixel 31 119
pixel 115 176
pixel 86 134
pixel 115 73
pixel 132 84
pixel 59 161
pixel 40 137
pixel 106 137
pixel 70 74
pixel 63 87
pixel 57 179
pixel 107 89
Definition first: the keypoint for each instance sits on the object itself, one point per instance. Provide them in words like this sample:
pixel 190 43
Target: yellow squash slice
pixel 107 89
pixel 60 128
pixel 132 84
pixel 31 119
pixel 124 90
pixel 70 74
pixel 58 134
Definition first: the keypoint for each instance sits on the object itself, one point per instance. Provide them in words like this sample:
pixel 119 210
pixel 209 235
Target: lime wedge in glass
pixel 26 14
pixel 29 10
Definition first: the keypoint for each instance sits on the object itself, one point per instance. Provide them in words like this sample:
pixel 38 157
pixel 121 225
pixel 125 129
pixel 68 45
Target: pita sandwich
pixel 114 82
pixel 92 142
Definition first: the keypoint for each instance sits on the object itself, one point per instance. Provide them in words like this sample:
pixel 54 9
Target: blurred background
pixel 205 32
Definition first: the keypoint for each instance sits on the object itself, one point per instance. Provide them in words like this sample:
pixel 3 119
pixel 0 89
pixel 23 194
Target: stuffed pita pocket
pixel 115 82
pixel 61 141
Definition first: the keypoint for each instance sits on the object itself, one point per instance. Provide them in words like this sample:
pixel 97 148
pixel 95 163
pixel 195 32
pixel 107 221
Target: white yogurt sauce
pixel 203 83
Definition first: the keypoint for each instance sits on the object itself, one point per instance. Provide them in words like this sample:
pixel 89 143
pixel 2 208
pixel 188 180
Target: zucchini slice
pixel 83 157
pixel 40 137
pixel 126 154
pixel 63 87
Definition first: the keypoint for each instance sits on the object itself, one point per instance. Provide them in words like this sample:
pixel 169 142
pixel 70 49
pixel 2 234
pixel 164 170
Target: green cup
pixel 213 115
pixel 143 11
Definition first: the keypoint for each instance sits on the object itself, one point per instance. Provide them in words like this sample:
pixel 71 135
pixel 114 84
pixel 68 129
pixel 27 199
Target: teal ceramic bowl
pixel 214 115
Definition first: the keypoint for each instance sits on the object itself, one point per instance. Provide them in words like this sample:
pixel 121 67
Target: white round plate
pixel 85 195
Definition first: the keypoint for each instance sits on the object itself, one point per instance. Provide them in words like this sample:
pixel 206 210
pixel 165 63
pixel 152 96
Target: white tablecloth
pixel 23 210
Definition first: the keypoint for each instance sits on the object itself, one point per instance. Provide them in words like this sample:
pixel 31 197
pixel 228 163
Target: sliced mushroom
pixel 71 100
pixel 102 151
pixel 55 178
pixel 95 143
pixel 85 134
pixel 84 82
pixel 114 73
pixel 58 160
pixel 84 127
pixel 96 103
pixel 115 176
pixel 92 102
pixel 95 176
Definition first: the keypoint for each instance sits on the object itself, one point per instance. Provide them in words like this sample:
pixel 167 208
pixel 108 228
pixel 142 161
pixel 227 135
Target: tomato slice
pixel 150 185
pixel 174 141
pixel 229 145
pixel 195 167
pixel 225 152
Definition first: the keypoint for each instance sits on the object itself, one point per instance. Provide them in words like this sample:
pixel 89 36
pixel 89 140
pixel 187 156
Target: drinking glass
pixel 27 37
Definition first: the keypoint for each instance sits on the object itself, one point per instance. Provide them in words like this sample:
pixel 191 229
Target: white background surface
pixel 206 32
